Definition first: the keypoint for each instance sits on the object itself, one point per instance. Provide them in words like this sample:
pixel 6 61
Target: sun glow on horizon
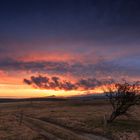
pixel 25 91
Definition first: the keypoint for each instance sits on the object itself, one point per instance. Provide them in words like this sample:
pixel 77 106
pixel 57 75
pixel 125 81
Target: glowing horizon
pixel 24 91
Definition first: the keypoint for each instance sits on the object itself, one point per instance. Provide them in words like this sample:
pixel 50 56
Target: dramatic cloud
pixel 55 83
pixel 102 69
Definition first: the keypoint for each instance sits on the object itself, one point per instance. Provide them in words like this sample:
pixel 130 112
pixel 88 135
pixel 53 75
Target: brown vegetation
pixel 76 116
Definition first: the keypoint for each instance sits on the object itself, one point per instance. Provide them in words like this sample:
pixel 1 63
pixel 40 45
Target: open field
pixel 65 120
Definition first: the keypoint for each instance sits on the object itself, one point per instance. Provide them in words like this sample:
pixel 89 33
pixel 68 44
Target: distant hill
pixel 4 100
pixel 89 96
pixel 54 98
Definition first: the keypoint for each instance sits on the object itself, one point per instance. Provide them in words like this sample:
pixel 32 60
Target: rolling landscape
pixel 69 119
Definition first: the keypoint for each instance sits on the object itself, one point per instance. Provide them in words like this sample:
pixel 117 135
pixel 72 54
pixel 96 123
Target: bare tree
pixel 122 97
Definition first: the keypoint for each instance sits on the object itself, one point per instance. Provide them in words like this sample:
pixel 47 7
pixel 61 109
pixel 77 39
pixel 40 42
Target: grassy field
pixel 76 116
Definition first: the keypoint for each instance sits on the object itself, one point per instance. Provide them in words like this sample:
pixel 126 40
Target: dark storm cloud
pixel 50 83
pixel 100 69
pixel 108 28
pixel 75 69
pixel 88 83
pixel 57 83
pixel 41 66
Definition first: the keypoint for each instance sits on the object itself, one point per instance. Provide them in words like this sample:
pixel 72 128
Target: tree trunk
pixel 112 117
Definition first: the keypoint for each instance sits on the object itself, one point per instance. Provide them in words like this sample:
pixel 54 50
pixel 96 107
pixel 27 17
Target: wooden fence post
pixel 21 117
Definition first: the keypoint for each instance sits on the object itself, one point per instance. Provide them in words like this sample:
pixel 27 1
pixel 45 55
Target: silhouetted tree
pixel 122 97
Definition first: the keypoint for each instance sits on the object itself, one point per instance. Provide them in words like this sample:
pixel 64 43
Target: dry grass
pixel 11 130
pixel 85 116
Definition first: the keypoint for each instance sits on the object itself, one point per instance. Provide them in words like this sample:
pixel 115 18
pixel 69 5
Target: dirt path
pixel 55 132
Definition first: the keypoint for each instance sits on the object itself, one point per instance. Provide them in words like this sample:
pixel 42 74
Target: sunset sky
pixel 72 40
